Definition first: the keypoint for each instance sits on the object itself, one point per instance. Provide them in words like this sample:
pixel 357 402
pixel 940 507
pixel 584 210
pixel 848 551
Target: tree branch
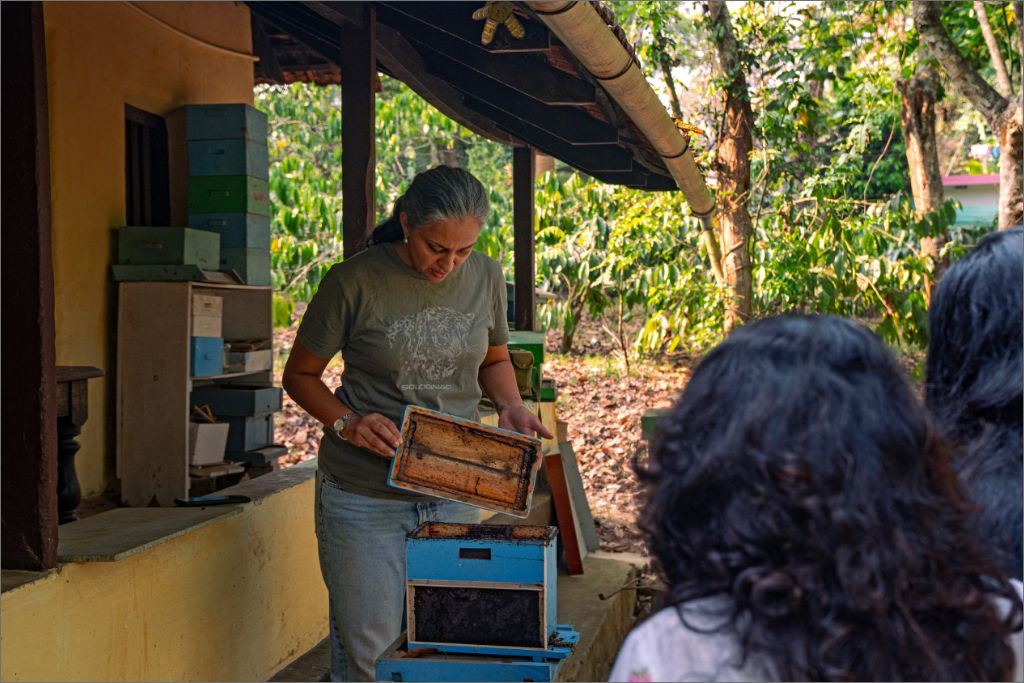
pixel 928 20
pixel 1002 75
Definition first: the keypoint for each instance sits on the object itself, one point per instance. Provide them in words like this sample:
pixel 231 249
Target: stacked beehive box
pixel 483 590
pixel 249 412
pixel 228 193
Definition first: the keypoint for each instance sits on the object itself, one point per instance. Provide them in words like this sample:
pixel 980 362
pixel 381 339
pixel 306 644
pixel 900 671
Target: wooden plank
pixel 268 67
pixel 397 58
pixel 531 76
pixel 466 461
pixel 523 163
pixel 580 505
pixel 304 26
pixel 152 391
pixel 215 470
pixel 479 584
pixel 570 124
pixel 358 160
pixel 571 547
pixel 29 468
pixel 588 158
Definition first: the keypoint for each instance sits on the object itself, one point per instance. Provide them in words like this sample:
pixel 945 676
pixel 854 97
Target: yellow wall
pixel 235 600
pixel 101 56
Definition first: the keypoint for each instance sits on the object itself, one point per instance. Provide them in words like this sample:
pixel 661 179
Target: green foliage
pixel 834 230
pixel 305 173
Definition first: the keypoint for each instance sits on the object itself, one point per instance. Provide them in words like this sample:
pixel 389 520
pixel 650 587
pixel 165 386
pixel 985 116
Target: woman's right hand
pixel 373 432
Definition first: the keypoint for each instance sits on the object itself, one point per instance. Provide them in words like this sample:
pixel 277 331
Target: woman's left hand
pixel 518 418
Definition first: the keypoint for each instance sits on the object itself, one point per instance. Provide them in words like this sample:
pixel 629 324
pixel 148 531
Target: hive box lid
pixel 458 459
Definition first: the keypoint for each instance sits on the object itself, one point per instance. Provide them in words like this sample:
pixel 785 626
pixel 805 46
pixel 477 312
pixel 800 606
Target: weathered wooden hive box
pixel 482 588
pixel 462 460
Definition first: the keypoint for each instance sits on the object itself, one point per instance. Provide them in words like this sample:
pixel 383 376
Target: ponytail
pixel 390 230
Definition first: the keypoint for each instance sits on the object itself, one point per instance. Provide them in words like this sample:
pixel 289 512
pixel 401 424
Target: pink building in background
pixel 978 195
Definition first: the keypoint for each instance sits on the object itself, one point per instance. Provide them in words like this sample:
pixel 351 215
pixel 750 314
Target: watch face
pixel 339 424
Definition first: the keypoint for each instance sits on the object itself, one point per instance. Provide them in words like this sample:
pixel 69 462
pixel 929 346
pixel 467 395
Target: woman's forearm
pixel 314 397
pixel 498 380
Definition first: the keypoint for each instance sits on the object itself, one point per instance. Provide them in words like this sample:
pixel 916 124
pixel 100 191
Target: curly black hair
pixel 799 476
pixel 975 385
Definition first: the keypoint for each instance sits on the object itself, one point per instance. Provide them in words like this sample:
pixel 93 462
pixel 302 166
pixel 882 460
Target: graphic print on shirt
pixel 430 343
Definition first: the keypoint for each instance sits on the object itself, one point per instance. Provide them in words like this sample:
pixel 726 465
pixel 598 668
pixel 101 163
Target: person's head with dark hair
pixel 799 480
pixel 437 221
pixel 975 385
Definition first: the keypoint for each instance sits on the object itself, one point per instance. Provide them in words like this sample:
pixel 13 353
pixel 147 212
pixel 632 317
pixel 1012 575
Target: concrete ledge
pixel 193 594
pixel 603 624
pixel 122 532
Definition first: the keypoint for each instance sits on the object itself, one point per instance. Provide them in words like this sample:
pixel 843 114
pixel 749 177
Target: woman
pixel 808 526
pixel 975 388
pixel 419 318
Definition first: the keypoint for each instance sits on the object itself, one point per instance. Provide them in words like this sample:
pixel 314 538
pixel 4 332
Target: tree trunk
pixel 1003 114
pixel 917 117
pixel 733 165
pixel 1011 167
pixel 545 164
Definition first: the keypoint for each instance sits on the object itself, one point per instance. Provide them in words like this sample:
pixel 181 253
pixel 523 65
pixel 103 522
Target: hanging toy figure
pixel 498 13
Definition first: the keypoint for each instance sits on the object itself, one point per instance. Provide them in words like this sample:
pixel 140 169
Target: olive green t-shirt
pixel 405 340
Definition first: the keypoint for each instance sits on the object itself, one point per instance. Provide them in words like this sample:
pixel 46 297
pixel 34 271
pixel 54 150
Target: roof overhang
pixel 531 91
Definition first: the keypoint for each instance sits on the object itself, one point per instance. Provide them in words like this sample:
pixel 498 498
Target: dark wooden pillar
pixel 523 163
pixel 28 514
pixel 358 157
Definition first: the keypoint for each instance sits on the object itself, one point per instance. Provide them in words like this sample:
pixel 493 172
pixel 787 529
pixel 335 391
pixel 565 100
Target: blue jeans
pixel 362 558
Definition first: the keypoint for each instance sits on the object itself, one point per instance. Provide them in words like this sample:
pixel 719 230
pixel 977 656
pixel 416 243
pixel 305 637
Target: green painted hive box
pixel 649 421
pixel 529 341
pixel 145 245
pixel 228 194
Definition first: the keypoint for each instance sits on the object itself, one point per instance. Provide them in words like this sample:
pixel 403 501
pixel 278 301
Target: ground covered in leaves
pixel 601 403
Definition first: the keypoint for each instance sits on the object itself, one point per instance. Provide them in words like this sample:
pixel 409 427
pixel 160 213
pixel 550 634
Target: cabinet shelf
pixel 154 378
pixel 230 375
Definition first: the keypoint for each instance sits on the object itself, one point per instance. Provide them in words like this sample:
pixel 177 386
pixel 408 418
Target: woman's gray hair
pixel 441 193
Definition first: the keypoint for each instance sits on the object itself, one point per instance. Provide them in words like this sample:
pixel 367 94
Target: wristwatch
pixel 342 422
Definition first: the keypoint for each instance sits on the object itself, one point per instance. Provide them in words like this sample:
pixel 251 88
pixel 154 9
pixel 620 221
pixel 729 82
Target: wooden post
pixel 358 157
pixel 523 162
pixel 29 465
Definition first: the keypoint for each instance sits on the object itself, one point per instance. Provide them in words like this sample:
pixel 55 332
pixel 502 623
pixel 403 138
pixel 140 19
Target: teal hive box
pixel 484 589
pixel 227 401
pixel 252 265
pixel 150 246
pixel 236 230
pixel 228 157
pixel 396 665
pixel 249 433
pixel 225 121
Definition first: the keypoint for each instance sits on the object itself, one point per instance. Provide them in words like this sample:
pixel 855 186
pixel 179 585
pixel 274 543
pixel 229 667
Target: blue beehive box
pixel 484 589
pixel 396 665
pixel 241 401
pixel 249 433
pixel 229 157
pixel 236 230
pixel 207 356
